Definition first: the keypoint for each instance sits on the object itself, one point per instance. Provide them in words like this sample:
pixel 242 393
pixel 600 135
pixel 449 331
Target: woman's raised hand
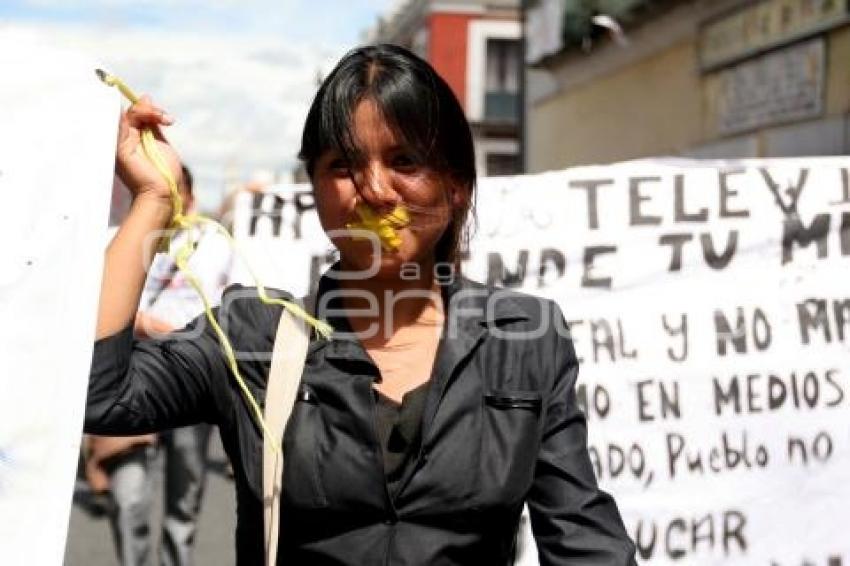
pixel 133 166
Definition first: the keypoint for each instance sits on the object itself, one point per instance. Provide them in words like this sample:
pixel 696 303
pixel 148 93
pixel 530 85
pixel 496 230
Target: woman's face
pixel 387 174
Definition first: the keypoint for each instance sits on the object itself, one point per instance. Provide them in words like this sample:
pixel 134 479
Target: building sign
pixel 764 25
pixel 775 88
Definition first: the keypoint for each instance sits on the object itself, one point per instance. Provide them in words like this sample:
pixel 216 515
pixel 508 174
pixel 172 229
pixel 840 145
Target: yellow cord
pixel 181 256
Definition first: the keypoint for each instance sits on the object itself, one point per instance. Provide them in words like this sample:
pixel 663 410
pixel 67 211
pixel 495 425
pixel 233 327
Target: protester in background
pixel 124 464
pixel 439 407
pixel 118 467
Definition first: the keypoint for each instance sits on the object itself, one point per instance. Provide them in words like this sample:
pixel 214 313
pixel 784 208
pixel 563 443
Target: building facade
pixel 475 45
pixel 691 78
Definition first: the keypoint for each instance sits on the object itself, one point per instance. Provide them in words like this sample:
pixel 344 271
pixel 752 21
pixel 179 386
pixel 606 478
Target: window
pixel 502 80
pixel 498 164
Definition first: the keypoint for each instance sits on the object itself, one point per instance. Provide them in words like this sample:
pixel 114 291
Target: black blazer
pixel 500 428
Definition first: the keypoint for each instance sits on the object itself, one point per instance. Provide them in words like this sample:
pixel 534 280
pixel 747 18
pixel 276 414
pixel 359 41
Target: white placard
pixel 710 308
pixel 57 152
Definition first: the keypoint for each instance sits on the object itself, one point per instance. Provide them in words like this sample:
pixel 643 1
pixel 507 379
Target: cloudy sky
pixel 237 75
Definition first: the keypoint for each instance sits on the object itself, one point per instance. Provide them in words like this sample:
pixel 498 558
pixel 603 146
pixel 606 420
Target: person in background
pixel 123 465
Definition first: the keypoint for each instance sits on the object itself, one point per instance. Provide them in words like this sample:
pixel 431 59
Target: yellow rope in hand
pixel 188 222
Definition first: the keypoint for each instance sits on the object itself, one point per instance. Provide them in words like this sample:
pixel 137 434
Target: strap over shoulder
pixel 288 355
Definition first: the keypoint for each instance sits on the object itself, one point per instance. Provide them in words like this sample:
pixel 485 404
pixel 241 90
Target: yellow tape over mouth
pixel 383 226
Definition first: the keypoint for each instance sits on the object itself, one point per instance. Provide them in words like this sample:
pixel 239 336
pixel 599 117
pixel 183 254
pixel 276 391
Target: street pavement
pixel 90 538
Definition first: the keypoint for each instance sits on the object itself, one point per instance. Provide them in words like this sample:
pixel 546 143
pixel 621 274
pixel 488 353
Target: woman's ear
pixel 458 195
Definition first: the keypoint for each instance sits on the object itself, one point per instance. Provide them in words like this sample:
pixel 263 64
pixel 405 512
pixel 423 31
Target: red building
pixel 475 46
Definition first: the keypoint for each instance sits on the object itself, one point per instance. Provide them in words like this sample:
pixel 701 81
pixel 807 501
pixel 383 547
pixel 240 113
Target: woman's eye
pixel 339 166
pixel 404 162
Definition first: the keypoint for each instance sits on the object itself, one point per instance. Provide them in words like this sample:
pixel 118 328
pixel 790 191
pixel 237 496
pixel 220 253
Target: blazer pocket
pixel 302 480
pixel 511 440
pixel 530 400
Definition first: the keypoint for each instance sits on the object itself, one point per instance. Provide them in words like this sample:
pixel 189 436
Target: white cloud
pixel 87 4
pixel 239 102
pixel 237 75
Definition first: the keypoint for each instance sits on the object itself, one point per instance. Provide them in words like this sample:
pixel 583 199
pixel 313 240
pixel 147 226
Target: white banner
pixel 57 152
pixel 710 307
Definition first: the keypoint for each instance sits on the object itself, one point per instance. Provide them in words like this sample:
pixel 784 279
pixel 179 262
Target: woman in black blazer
pixel 438 408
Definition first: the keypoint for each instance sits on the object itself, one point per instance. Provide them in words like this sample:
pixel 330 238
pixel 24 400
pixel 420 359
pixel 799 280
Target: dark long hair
pixel 418 106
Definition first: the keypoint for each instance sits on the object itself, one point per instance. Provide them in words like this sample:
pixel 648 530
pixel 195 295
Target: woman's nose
pixel 376 190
